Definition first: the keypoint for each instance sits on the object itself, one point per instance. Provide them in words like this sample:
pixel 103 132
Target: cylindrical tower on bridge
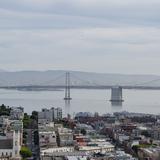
pixel 116 94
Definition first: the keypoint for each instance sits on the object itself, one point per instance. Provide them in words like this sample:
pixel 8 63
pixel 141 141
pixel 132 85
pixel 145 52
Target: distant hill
pixel 1 70
pixel 57 77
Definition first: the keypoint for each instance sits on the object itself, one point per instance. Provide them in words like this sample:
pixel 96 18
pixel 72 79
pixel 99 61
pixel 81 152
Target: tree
pixel 34 115
pixel 83 131
pixel 4 110
pixel 25 152
pixel 36 137
pixel 145 133
pixel 151 141
pixel 26 121
pixel 135 149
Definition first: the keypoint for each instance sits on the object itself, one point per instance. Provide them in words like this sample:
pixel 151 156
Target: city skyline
pixel 95 36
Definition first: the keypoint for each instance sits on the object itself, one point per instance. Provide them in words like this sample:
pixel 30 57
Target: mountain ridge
pixel 41 71
pixel 48 77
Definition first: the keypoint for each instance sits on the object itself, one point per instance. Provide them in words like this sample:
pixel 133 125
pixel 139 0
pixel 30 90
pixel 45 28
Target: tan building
pixel 47 139
pixel 65 137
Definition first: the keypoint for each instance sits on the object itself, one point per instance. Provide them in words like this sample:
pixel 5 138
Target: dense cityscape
pixel 79 79
pixel 47 135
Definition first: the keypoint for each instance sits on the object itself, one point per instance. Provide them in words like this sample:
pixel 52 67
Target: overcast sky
pixel 112 36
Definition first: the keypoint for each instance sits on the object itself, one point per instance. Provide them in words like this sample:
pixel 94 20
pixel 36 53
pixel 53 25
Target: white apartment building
pixel 10 148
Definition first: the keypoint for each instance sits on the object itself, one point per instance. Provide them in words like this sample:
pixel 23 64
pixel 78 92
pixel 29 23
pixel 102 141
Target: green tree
pixel 151 141
pixel 145 133
pixel 83 131
pixel 36 138
pixel 34 115
pixel 135 149
pixel 26 121
pixel 25 152
pixel 4 110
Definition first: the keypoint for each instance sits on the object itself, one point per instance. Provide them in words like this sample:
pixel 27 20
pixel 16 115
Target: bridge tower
pixel 116 94
pixel 67 87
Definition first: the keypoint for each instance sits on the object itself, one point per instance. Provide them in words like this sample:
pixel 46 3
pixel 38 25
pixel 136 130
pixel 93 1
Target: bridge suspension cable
pixel 85 81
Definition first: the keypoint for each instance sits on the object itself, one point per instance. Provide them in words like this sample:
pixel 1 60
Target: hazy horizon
pixel 61 70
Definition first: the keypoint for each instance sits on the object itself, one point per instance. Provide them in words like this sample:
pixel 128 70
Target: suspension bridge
pixel 68 81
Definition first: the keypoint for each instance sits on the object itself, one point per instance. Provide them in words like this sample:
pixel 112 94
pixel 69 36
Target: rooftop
pixel 6 143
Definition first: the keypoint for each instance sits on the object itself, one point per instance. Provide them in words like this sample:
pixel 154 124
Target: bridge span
pixel 47 87
pixel 116 90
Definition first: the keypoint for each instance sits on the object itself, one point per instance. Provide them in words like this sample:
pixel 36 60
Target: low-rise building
pixel 65 137
pixel 49 115
pixel 10 147
pixel 16 113
pixel 149 153
pixel 60 152
pixel 47 139
pixel 97 146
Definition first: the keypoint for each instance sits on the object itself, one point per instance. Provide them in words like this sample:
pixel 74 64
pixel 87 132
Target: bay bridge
pixel 69 81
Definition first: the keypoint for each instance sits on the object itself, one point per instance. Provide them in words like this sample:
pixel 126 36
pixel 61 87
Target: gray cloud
pixel 80 48
pixel 91 35
pixel 84 12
